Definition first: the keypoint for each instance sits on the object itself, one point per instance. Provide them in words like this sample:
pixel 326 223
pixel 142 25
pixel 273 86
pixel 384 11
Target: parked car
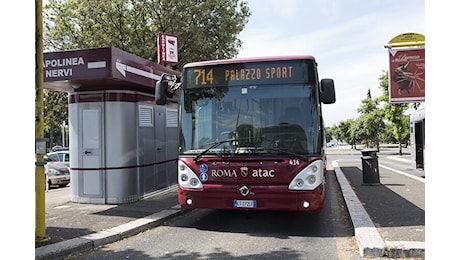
pixel 58 148
pixel 331 143
pixel 57 168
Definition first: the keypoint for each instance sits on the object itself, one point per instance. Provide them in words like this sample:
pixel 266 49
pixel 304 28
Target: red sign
pixel 167 49
pixel 407 75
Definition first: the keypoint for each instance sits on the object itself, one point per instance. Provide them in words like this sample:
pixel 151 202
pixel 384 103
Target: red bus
pixel 251 134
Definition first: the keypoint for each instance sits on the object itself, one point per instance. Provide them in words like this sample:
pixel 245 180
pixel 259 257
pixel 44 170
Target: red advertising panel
pixel 407 75
pixel 167 49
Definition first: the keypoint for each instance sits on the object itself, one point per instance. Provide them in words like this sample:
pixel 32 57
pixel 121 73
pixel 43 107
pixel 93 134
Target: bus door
pixel 419 143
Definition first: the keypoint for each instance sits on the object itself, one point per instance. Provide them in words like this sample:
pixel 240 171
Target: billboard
pixel 407 75
pixel 167 49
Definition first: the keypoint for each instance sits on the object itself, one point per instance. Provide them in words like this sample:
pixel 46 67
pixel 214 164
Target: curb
pixel 91 241
pixel 369 241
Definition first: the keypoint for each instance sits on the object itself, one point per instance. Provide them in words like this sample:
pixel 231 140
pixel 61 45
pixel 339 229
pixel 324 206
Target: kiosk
pixel 123 145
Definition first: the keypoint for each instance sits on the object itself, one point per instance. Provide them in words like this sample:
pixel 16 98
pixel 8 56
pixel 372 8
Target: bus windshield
pixel 263 119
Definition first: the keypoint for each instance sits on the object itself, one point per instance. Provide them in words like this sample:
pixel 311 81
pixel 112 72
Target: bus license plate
pixel 244 203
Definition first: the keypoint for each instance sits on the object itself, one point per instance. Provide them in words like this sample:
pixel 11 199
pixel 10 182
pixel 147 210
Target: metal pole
pixel 40 226
pixel 63 134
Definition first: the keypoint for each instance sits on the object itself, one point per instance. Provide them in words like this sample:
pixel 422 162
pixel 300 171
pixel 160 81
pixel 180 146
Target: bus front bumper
pixel 257 198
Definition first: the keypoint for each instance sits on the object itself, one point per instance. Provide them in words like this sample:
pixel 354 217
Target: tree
pixel 371 126
pixel 394 112
pixel 206 29
pixel 386 134
pixel 343 132
pixel 329 133
pixel 56 111
pixel 370 121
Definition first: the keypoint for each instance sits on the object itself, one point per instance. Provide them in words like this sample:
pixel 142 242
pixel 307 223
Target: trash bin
pixel 370 164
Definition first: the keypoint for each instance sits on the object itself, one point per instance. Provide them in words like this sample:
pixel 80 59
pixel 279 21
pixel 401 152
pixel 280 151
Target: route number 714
pixel 203 77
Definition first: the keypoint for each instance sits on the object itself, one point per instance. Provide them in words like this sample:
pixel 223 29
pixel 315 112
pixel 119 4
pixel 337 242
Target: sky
pixel 346 38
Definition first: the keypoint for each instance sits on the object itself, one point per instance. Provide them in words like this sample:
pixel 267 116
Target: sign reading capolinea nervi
pixel 57 68
pixel 90 69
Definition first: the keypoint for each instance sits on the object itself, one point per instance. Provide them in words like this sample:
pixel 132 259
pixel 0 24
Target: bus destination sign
pixel 274 72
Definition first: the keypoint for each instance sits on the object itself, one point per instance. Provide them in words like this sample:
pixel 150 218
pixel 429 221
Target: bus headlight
pixel 309 178
pixel 194 182
pixel 187 178
pixel 298 183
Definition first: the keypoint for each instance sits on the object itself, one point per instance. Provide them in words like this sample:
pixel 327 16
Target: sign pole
pixel 40 142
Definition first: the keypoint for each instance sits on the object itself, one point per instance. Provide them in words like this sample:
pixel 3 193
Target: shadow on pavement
pixel 385 207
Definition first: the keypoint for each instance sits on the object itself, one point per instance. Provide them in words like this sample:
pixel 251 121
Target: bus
pixel 417 137
pixel 251 134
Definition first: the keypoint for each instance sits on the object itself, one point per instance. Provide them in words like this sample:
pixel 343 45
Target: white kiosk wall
pixel 120 143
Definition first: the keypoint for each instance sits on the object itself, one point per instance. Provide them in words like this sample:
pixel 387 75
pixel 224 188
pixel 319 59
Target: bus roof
pixel 251 59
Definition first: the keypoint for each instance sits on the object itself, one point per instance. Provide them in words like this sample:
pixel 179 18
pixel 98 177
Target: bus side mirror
pixel 161 91
pixel 327 94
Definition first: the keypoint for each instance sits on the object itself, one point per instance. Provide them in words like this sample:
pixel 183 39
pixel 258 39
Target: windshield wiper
pixel 217 143
pixel 214 145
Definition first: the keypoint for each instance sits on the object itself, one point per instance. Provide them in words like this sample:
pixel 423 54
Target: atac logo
pixel 263 173
pixel 257 173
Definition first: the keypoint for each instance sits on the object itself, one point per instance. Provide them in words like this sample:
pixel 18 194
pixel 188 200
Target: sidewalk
pixel 74 227
pixel 389 219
